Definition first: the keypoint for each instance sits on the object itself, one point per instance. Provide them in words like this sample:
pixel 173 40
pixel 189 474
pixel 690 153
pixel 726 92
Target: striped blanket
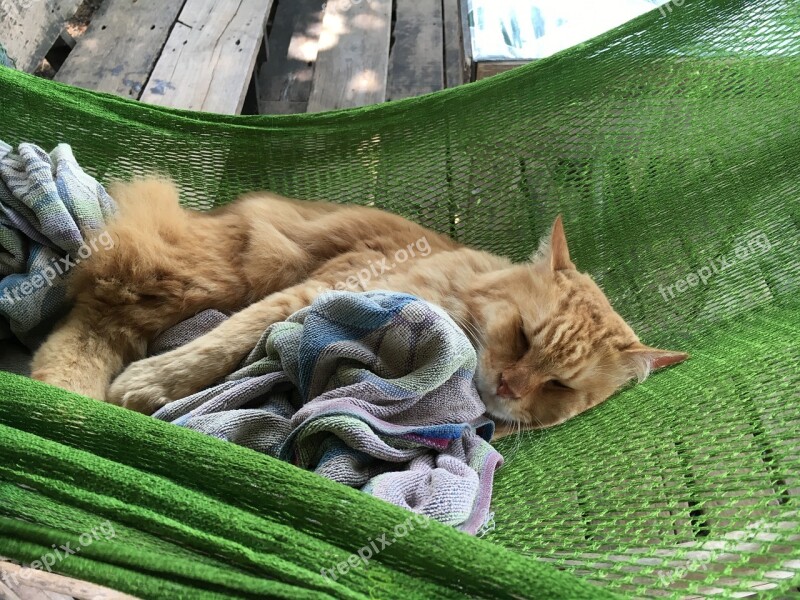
pixel 373 390
pixel 52 216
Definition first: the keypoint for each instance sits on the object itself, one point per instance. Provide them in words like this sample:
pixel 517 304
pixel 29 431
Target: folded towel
pixel 372 390
pixel 52 216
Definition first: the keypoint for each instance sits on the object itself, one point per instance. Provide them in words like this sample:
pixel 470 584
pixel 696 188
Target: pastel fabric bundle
pixel 372 390
pixel 52 216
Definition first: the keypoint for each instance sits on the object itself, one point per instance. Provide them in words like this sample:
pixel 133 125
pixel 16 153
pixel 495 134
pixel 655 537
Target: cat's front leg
pixel 85 352
pixel 147 385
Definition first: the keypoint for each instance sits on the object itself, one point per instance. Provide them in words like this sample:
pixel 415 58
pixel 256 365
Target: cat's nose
pixel 504 390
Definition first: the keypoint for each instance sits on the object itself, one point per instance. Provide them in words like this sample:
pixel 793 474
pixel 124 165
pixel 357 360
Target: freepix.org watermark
pixel 103 531
pixel 359 280
pixel 755 245
pixel 57 267
pixel 375 546
pixel 664 9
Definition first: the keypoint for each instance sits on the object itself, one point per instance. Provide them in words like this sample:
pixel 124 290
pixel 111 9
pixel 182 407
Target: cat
pixel 549 344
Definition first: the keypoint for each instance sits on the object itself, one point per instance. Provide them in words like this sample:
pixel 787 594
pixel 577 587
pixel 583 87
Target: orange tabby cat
pixel 549 344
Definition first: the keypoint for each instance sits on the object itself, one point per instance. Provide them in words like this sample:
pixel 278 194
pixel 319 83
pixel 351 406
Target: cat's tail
pixel 144 245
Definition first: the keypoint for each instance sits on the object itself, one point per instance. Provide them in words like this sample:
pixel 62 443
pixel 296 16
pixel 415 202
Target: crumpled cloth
pixel 373 390
pixel 52 216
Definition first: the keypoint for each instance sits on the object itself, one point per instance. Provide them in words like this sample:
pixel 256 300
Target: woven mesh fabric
pixel 670 145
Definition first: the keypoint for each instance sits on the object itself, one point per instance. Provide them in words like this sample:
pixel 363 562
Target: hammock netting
pixel 670 145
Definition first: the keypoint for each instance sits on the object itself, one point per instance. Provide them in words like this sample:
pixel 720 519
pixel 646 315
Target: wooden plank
pixel 453 48
pixel 353 60
pixel 24 592
pixel 467 64
pixel 255 92
pixel 285 79
pixel 487 69
pixel 281 107
pixel 209 58
pixel 6 593
pixel 29 28
pixel 416 64
pixel 120 46
pixel 21 579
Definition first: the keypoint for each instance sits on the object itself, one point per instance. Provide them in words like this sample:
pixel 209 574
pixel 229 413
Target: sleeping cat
pixel 549 344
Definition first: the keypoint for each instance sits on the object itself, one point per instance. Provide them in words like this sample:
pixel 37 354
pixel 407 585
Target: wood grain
pixel 28 28
pixel 285 79
pixel 487 69
pixel 209 57
pixel 467 64
pixel 120 46
pixel 453 44
pixel 353 60
pixel 416 64
pixel 20 583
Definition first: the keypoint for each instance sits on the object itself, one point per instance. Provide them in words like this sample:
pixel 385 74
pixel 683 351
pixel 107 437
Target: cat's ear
pixel 647 359
pixel 559 251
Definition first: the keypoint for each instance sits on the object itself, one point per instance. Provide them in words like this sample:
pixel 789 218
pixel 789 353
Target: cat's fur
pixel 550 345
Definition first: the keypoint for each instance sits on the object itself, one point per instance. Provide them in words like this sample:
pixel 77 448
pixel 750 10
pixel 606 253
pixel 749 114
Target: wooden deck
pixel 348 53
pixel 233 56
pixel 18 583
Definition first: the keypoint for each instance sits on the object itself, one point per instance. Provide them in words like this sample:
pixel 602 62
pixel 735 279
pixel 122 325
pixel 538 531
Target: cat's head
pixel 552 345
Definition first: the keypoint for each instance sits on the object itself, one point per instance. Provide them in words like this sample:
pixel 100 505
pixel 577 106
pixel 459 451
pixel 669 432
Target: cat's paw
pixel 147 385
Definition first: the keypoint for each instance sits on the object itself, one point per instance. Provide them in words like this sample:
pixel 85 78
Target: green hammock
pixel 670 145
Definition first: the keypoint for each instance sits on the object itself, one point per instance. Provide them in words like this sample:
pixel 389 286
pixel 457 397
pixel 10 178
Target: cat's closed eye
pixel 522 343
pixel 558 384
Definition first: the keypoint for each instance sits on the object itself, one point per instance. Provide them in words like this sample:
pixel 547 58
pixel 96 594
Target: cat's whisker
pixel 520 434
pixel 471 330
pixel 513 451
pixel 469 321
pixel 474 337
pixel 542 427
pixel 545 431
